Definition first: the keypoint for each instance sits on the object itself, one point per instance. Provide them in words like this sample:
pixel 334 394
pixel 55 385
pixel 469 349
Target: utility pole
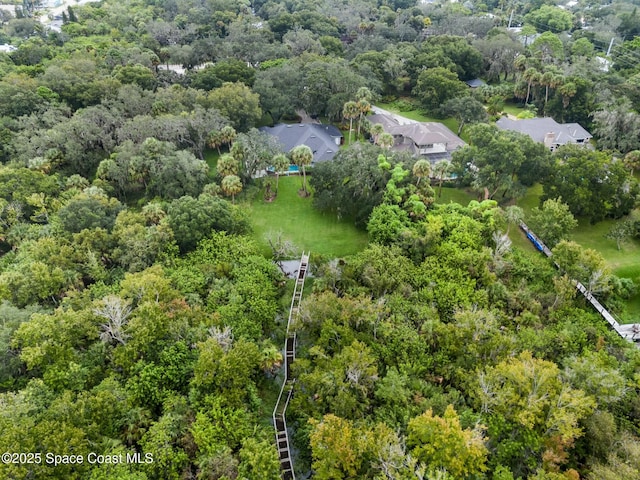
pixel 610 45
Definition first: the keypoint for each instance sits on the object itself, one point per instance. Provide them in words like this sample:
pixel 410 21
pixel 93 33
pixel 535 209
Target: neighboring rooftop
pixel 547 130
pixel 475 83
pixel 323 140
pixel 431 139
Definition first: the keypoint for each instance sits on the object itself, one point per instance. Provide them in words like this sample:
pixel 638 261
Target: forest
pixel 142 320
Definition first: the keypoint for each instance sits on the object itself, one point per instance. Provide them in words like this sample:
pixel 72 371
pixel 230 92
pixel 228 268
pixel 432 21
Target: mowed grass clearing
pixel 306 227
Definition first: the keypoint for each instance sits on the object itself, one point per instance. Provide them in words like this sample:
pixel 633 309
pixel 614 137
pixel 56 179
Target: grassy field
pixel 455 195
pixel 306 227
pixel 211 157
pixel 513 109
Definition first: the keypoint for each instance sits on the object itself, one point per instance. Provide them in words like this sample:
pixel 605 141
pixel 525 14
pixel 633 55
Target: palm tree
pixel 531 76
pixel 227 165
pixel 228 134
pixel 632 160
pixel 231 185
pixel 376 130
pixel 364 107
pixel 385 141
pixel 270 359
pixel 441 170
pixel 421 169
pixel 546 80
pixel 568 90
pixel 302 156
pixel 495 105
pixel 513 215
pixel 350 111
pixel 363 100
pixel 214 140
pixel 280 164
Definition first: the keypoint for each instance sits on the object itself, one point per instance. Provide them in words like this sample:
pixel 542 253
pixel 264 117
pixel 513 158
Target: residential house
pixel 427 139
pixel 324 140
pixel 548 131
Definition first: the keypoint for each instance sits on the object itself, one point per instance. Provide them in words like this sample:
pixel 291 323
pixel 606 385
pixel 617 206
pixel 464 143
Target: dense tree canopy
pixel 139 315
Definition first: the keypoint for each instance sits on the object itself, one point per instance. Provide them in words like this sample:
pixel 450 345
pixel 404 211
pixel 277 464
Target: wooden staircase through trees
pixel 286 392
pixel 630 332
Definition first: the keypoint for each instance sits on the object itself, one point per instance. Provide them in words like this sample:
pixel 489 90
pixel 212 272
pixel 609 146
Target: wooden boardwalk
pixel 629 332
pixel 286 392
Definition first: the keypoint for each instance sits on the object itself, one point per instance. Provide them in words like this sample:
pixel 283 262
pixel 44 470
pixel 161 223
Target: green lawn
pixel 306 227
pixel 450 194
pixel 211 157
pixel 531 199
pixel 513 109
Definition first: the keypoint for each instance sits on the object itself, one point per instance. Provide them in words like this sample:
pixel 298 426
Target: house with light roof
pixel 548 131
pixel 431 140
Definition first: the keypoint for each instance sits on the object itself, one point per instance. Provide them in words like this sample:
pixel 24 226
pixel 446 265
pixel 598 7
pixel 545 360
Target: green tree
pixel 302 156
pixel 280 164
pixel 437 85
pixel 193 219
pixel 550 18
pixel 615 129
pixel 254 150
pixel 231 185
pixel 591 183
pixel 529 408
pixel 441 443
pixel 620 231
pixel 351 185
pixel 442 170
pixel 350 111
pixel 464 110
pixel 227 165
pixel 236 101
pixel 553 222
pixel 421 169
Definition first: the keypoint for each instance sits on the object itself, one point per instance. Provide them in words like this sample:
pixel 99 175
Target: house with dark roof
pixel 427 139
pixel 475 83
pixel 323 140
pixel 548 131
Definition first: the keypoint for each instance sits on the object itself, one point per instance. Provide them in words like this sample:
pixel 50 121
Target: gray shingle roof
pixel 422 133
pixel 538 128
pixel 321 139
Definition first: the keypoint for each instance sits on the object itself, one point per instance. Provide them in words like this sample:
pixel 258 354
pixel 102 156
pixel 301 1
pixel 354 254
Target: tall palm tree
pixel 363 100
pixel 227 165
pixel 531 76
pixel 513 215
pixel 228 134
pixel 364 107
pixel 441 170
pixel 385 141
pixel 302 156
pixel 376 130
pixel 350 111
pixel 421 169
pixel 280 164
pixel 567 90
pixel 214 140
pixel 231 185
pixel 632 160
